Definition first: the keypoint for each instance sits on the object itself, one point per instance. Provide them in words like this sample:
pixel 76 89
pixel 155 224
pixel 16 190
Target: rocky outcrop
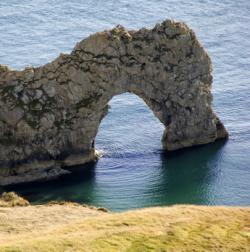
pixel 52 113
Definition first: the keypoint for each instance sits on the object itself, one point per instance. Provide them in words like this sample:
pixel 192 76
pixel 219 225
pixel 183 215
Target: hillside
pixel 72 227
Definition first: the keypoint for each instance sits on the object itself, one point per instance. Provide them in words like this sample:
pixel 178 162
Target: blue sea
pixel 134 171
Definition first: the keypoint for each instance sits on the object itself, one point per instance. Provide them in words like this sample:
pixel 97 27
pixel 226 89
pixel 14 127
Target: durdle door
pixel 49 116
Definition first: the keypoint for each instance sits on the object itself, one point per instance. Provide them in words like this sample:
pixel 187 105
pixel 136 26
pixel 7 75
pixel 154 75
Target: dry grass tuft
pixel 70 203
pixel 11 199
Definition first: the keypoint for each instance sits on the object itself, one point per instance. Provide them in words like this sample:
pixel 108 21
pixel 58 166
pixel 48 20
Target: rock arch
pixel 49 116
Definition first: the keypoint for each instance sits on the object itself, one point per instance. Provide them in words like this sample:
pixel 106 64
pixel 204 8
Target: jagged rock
pixel 53 112
pixel 12 116
pixel 49 90
pixel 38 94
pixel 35 171
pixel 25 98
pixel 47 121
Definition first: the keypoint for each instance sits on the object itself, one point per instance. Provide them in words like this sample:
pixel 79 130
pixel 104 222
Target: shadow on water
pixel 187 175
pixel 180 177
pixel 63 188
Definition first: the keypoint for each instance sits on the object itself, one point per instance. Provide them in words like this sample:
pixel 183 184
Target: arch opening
pixel 129 128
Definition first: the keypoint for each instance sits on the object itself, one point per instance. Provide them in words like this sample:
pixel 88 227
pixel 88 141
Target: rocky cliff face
pixel 49 116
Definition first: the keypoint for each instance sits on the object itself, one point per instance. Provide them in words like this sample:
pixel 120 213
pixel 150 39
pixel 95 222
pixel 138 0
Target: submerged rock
pixel 52 113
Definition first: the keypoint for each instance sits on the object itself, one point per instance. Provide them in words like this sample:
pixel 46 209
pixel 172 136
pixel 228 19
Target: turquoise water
pixel 134 171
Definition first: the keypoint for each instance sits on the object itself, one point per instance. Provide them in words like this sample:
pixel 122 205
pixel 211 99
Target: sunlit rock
pixel 52 113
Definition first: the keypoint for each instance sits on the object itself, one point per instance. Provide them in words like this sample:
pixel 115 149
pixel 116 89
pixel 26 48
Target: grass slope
pixel 72 227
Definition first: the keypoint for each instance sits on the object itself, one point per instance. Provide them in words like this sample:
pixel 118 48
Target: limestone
pixel 47 121
pixel 52 113
pixel 38 94
pixel 12 116
pixel 49 90
pixel 35 171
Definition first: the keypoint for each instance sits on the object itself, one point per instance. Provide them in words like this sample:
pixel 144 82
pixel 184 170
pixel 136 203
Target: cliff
pixel 49 116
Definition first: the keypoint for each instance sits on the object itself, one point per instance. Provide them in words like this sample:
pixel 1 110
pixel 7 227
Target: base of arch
pixel 206 138
pixel 44 170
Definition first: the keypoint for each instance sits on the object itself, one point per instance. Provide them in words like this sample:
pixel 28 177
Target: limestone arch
pixel 52 113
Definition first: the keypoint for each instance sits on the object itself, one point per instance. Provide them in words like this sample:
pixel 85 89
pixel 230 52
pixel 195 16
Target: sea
pixel 134 171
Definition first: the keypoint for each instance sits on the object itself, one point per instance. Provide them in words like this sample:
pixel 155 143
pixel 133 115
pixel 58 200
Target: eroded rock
pixel 53 112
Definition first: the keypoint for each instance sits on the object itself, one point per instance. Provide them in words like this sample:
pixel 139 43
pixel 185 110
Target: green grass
pixel 72 227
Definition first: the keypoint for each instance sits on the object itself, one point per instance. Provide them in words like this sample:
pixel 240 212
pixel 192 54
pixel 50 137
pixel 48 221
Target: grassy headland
pixel 72 227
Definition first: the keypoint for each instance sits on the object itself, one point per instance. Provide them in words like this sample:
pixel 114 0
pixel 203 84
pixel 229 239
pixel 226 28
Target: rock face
pixel 52 113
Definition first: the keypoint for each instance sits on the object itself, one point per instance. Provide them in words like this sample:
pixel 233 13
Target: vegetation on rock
pixel 11 199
